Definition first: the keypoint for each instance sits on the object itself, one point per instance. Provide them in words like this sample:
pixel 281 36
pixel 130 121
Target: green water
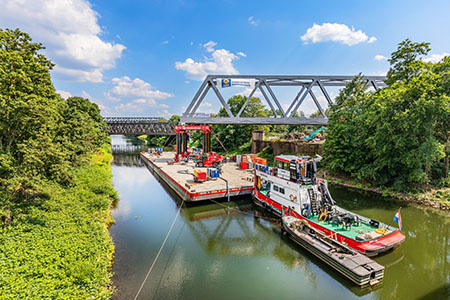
pixel 214 253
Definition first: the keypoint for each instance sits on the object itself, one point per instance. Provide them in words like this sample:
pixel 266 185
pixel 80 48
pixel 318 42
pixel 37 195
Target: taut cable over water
pixel 160 250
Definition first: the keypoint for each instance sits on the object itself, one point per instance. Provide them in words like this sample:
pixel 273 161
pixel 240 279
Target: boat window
pixel 279 164
pixel 281 191
pixel 275 188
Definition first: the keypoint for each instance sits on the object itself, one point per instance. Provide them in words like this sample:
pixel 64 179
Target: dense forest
pixel 398 136
pixel 55 183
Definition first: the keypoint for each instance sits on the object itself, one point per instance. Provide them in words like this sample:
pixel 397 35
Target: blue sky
pixel 147 58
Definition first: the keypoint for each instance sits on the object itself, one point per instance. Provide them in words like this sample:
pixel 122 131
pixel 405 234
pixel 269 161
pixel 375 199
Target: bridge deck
pixel 179 178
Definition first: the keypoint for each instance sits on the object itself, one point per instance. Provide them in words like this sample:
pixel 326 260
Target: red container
pixel 243 165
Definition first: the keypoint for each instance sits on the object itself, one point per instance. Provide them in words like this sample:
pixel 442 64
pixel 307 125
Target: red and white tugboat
pixel 291 188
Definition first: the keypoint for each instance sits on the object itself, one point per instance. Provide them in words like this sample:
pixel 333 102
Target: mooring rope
pixel 168 260
pixel 160 250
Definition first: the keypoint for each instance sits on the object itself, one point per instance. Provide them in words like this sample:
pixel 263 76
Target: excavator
pixel 313 134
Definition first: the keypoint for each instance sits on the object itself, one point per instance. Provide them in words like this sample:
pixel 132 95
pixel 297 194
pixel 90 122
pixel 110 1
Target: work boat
pixel 291 188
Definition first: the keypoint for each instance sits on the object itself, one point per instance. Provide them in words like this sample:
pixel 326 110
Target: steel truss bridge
pixel 264 84
pixel 139 125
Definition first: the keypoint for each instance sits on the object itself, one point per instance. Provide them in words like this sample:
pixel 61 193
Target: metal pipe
pixel 228 193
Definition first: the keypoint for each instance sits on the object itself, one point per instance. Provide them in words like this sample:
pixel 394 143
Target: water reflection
pixel 233 250
pixel 127 160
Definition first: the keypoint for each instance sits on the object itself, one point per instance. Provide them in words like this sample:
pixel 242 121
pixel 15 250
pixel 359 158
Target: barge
pixel 356 267
pixel 292 187
pixel 179 177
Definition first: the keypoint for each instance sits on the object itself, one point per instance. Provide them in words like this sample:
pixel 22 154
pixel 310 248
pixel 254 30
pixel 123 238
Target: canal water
pixel 238 251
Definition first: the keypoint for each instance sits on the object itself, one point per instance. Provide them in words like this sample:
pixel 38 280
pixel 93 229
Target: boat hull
pixel 360 269
pixel 371 247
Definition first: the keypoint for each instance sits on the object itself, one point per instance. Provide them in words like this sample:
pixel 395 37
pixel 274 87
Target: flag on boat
pixel 398 219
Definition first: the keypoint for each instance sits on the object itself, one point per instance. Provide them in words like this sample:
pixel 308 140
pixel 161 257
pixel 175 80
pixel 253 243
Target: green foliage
pixel 58 247
pixel 392 137
pixel 234 137
pixel 405 62
pixel 83 129
pixel 55 183
pixel 174 119
pixel 268 154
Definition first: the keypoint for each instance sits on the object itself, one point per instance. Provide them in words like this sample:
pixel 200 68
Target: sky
pixel 148 58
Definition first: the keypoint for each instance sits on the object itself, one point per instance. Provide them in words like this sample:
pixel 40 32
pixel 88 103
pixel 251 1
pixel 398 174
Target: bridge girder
pixel 263 83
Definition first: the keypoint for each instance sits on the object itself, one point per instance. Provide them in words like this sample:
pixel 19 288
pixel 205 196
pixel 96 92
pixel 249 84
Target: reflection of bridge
pixel 139 125
pixel 235 234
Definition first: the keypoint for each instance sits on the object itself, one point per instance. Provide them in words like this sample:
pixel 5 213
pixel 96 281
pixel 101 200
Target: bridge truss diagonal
pixel 264 84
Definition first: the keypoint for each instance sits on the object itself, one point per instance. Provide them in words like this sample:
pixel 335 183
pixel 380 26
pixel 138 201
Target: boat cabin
pixel 299 169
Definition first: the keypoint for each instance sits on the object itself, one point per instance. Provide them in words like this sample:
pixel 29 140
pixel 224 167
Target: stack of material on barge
pixel 350 263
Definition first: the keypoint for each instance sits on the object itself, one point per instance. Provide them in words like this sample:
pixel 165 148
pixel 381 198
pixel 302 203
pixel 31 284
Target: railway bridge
pixel 139 125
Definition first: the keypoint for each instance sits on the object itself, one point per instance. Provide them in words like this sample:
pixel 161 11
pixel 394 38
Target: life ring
pixel 292 197
pixel 381 231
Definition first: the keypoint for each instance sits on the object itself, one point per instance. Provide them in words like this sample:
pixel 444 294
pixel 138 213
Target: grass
pixel 58 247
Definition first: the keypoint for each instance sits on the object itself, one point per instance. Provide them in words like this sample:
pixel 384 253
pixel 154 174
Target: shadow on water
pixel 442 292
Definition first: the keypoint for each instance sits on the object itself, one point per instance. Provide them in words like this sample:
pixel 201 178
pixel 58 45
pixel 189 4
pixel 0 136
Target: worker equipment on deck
pixel 199 175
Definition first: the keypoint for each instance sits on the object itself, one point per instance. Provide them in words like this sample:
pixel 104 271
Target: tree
pixel 235 137
pixel 442 124
pixel 174 119
pixel 394 136
pixel 405 62
pixel 344 146
pixel 83 129
pixel 29 114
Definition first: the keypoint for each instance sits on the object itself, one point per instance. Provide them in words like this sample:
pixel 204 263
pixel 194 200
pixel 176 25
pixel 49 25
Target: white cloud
pixel 372 39
pixel 380 57
pixel 220 62
pixel 252 21
pixel 70 31
pixel 103 108
pixel 125 87
pixel 246 92
pixel 165 114
pixel 434 58
pixel 242 54
pixel 209 46
pixel 139 105
pixel 381 73
pixel 165 42
pixel 335 32
pixel 205 104
pixel 137 94
pixel 64 94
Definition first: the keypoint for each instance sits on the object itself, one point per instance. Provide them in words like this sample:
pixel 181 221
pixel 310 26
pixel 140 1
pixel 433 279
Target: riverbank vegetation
pixel 55 183
pixel 396 138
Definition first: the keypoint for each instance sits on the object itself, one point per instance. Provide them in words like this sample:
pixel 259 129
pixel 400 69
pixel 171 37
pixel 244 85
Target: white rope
pixel 159 252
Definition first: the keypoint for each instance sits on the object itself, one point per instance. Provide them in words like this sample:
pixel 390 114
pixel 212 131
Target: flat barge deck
pixel 180 179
